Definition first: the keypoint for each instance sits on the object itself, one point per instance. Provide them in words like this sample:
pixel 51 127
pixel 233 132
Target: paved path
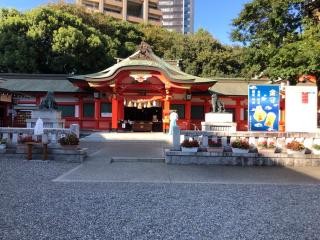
pixel 34 207
pixel 128 137
pixel 100 199
pixel 143 162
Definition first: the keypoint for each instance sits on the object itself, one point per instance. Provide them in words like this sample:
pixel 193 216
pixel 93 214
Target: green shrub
pixel 70 139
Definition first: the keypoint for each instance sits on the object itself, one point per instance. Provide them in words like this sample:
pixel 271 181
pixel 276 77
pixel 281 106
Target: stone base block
pixel 219 126
pixel 46 114
pixel 231 159
pixel 55 154
pixel 218 117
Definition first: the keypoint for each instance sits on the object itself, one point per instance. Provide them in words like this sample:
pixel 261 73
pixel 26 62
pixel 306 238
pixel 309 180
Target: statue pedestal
pixel 218 117
pixel 219 122
pixel 50 118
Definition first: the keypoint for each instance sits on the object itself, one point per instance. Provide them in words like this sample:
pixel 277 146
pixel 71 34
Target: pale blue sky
pixel 212 15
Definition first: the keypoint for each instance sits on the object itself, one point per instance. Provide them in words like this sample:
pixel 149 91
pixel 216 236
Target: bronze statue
pixel 48 103
pixel 145 52
pixel 217 105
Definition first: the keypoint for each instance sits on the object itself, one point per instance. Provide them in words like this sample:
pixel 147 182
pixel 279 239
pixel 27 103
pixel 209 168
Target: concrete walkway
pixel 128 137
pixel 126 160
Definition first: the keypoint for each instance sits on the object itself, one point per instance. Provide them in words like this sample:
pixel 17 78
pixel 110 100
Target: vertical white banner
pixel 301 108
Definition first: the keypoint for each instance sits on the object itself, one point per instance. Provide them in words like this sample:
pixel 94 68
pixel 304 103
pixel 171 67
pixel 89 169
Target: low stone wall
pixel 249 159
pixel 55 154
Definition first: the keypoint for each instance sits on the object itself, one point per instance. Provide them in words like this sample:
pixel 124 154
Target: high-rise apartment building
pixel 177 15
pixel 136 11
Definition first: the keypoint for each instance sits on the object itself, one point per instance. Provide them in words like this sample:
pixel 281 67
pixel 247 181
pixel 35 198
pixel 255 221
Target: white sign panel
pixel 105 114
pixel 301 108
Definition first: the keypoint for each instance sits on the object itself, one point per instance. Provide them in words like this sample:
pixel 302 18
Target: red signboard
pixel 305 97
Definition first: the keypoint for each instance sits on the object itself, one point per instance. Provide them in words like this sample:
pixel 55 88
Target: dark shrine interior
pixel 145 114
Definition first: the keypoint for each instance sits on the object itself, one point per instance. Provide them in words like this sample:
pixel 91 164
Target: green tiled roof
pixel 37 83
pixel 148 61
pixel 233 86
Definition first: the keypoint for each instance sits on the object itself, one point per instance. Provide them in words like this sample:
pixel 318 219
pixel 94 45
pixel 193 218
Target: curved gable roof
pixel 144 58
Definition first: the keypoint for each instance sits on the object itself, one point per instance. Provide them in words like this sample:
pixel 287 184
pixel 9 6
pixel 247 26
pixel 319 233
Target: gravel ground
pixel 34 207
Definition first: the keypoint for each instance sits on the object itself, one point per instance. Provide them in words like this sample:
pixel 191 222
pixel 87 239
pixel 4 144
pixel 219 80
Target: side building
pixel 135 11
pixel 178 15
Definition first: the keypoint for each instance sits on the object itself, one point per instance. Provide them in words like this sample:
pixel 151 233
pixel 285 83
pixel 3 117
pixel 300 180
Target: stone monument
pixel 218 119
pixel 48 112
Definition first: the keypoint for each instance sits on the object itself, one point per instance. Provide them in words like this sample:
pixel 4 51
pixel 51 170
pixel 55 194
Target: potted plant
pixel 70 141
pixel 266 147
pixel 295 147
pixel 316 149
pixel 240 146
pixel 214 146
pixel 189 145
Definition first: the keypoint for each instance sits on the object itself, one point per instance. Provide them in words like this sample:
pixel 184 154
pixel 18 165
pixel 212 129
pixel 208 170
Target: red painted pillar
pixel 114 124
pixel 188 114
pixel 80 111
pixel 207 106
pixel 238 113
pixel 38 100
pixel 121 109
pixel 165 114
pixel 96 112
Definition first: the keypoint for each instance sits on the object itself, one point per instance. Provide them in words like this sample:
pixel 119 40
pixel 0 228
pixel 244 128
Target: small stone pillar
pixel 75 128
pixel 15 138
pixel 176 138
pixel 224 141
pixel 204 141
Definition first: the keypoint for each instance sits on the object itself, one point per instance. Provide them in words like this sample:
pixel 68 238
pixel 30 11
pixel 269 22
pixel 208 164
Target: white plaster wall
pixel 301 117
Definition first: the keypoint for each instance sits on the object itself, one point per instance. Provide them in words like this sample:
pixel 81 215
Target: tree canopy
pixel 64 38
pixel 281 41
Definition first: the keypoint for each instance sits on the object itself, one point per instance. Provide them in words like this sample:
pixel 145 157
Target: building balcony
pixel 155 12
pixel 135 19
pixel 113 14
pixel 113 3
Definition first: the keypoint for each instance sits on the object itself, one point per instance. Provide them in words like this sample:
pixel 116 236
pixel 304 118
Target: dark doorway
pixel 3 115
pixel 145 114
pixel 146 119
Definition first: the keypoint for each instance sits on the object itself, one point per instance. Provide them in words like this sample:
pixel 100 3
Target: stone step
pixel 137 159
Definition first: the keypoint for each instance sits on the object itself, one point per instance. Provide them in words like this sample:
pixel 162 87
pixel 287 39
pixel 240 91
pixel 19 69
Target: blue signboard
pixel 263 107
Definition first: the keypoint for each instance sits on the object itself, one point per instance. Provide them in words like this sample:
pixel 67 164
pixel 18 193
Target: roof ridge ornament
pixel 144 52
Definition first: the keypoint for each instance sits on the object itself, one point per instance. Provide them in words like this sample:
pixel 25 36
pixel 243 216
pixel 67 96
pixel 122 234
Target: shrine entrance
pixel 144 119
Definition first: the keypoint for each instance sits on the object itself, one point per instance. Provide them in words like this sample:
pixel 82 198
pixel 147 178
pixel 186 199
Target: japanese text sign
pixel 263 107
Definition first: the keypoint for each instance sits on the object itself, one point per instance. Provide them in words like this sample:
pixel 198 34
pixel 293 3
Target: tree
pixel 17 53
pixel 64 38
pixel 65 44
pixel 299 57
pixel 268 22
pixel 265 26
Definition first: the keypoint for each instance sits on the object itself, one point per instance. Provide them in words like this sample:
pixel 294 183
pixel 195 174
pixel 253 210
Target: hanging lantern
pixel 130 104
pixel 144 105
pixel 149 105
pixel 154 103
pixel 139 106
pixel 135 104
pixel 124 102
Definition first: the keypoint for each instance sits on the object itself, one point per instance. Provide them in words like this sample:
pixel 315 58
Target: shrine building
pixel 135 94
